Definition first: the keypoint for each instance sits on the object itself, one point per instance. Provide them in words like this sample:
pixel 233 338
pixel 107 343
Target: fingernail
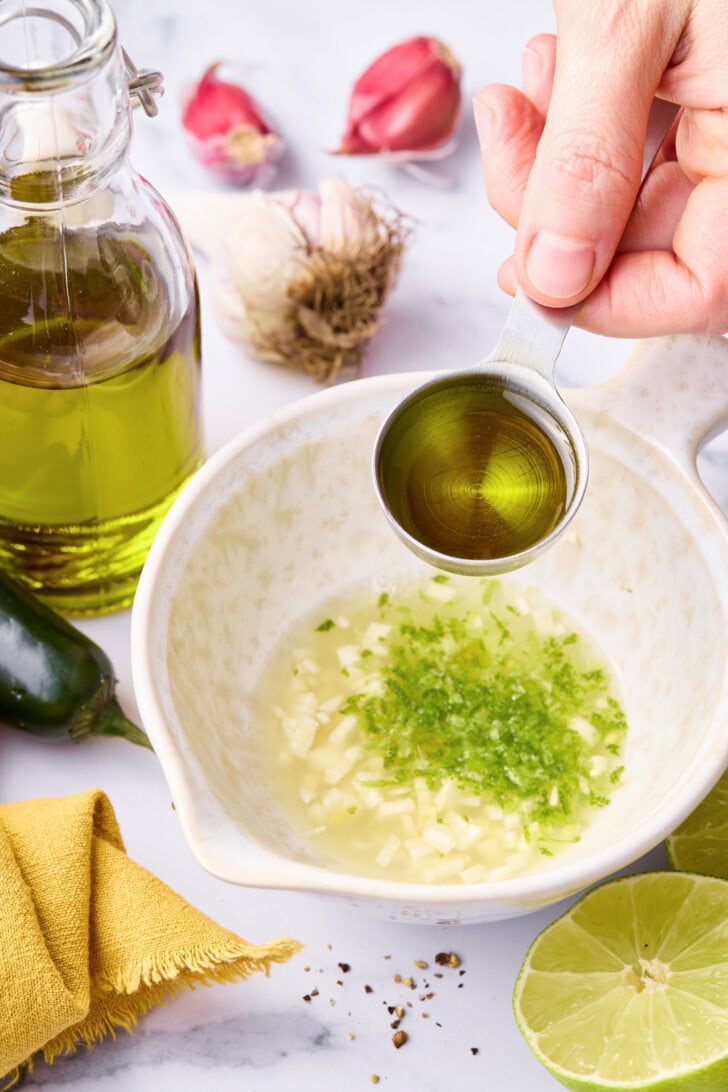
pixel 559 267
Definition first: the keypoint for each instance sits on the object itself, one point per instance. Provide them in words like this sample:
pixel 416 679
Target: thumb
pixel 586 175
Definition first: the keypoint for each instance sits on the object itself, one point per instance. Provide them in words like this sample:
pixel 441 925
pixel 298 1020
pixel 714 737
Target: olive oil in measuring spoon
pixel 477 478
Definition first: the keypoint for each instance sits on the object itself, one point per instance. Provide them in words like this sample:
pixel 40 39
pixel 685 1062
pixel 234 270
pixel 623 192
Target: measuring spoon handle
pixel 533 334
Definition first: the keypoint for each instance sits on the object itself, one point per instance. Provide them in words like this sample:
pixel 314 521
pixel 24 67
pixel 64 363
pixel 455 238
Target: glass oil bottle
pixel 99 322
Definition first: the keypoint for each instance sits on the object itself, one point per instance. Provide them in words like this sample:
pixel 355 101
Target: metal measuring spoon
pixel 480 470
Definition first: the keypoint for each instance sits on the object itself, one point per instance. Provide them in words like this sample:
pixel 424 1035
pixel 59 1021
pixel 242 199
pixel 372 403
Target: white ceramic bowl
pixel 286 514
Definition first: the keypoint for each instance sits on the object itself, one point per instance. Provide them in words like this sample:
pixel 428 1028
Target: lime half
pixel 629 988
pixel 700 844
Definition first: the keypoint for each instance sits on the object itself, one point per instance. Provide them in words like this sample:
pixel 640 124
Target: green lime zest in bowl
pixel 443 730
pixel 487 700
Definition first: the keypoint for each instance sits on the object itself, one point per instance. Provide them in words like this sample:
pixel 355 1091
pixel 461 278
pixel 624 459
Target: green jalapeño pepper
pixel 54 681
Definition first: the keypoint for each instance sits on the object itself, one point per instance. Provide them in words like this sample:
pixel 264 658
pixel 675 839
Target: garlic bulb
pixel 301 278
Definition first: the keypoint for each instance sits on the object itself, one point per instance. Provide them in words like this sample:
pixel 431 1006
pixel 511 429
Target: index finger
pixel 586 174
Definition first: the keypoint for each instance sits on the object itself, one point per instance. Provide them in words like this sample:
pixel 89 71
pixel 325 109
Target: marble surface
pixel 262 1035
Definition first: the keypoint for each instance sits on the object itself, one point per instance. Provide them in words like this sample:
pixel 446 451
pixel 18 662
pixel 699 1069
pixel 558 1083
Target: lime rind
pixel 655 1023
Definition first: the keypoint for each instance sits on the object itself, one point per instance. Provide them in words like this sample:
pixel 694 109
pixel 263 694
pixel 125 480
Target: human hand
pixel 562 162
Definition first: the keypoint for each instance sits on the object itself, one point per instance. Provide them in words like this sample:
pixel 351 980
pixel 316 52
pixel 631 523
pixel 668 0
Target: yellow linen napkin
pixel 89 940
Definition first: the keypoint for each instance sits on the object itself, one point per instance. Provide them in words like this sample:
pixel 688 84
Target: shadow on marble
pixel 253 1042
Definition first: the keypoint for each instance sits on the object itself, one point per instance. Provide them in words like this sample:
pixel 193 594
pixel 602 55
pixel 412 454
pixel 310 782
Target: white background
pixel 300 59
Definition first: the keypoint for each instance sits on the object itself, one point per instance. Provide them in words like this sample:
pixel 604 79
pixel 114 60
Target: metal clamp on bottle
pixel 144 84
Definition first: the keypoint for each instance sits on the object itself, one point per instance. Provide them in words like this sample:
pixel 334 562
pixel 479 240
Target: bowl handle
pixel 673 391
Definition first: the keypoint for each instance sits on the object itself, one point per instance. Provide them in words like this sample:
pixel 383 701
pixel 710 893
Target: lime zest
pixel 491 712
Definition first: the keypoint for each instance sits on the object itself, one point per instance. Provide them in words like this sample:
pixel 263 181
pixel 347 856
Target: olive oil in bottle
pixel 99 323
pixel 478 479
pixel 98 412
